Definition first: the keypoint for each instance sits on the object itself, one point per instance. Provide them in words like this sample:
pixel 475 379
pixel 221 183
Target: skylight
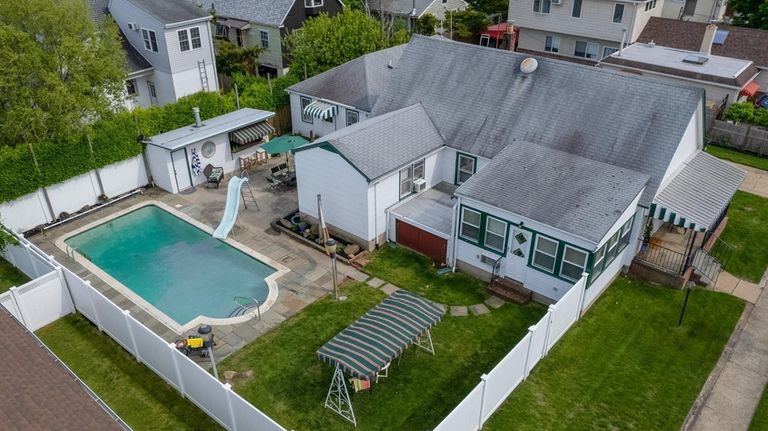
pixel 696 59
pixel 720 36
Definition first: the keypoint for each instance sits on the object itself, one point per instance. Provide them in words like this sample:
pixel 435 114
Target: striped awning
pixel 321 110
pixel 251 133
pixel 698 194
pixel 381 335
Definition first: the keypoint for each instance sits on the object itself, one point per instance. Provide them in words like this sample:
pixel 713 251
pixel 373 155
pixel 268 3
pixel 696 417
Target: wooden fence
pixel 742 136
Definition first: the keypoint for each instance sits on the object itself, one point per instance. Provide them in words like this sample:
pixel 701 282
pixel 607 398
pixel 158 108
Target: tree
pixel 469 22
pixel 426 24
pixel 325 42
pixel 231 60
pixel 58 69
pixel 490 7
pixel 750 13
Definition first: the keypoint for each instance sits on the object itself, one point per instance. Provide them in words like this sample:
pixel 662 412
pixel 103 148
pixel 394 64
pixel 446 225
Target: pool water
pixel 179 269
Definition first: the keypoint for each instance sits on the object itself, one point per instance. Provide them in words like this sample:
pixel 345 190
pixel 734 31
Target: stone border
pixel 271 280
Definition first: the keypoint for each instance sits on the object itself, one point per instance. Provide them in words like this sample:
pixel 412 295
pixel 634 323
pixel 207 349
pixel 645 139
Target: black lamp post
pixel 688 288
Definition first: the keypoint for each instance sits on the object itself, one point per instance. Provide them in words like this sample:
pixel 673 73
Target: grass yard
pixel 626 364
pixel 738 157
pixel 760 419
pixel 10 276
pixel 136 394
pixel 747 233
pixel 290 383
pixel 414 272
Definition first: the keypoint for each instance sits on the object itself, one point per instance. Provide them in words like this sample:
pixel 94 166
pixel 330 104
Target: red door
pixel 422 241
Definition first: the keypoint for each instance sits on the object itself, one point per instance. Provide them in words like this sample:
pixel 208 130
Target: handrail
pixel 495 270
pixel 662 258
pixel 243 308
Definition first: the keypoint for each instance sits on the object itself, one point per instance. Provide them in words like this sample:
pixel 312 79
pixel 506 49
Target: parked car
pixel 761 101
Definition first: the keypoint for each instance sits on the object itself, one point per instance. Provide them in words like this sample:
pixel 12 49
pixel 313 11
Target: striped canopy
pixel 252 133
pixel 381 335
pixel 320 109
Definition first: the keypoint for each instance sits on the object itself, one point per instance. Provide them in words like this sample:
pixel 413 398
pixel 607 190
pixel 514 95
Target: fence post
pixel 484 381
pixel 136 353
pixel 174 359
pixel 228 391
pixel 32 260
pixel 91 292
pixel 65 286
pixel 582 293
pixel 550 315
pixel 531 333
pixel 17 304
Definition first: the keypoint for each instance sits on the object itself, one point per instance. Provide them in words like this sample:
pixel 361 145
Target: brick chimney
pixel 709 37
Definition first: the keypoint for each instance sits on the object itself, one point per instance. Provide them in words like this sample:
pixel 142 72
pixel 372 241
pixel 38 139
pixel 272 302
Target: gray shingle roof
pixel 380 145
pixel 356 83
pixel 577 195
pixel 267 12
pixel 480 101
pixel 171 11
pixel 134 61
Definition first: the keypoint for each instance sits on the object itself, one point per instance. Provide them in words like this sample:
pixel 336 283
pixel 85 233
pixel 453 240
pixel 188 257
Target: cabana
pixel 368 346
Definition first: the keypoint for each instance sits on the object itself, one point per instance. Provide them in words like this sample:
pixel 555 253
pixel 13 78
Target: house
pixel 341 96
pixel 729 41
pixel 503 177
pixel 264 24
pixel 177 158
pixel 588 30
pixel 412 10
pixel 168 45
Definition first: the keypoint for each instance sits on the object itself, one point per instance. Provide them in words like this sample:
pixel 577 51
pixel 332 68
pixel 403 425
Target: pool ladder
pixel 70 251
pixel 244 307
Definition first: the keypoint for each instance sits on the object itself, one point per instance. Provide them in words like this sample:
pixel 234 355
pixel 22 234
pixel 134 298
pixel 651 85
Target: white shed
pixel 222 141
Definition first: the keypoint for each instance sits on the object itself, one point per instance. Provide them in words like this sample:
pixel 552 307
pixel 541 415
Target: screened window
pixel 465 168
pixel 574 262
pixel 264 37
pixel 495 234
pixel 406 181
pixel 585 49
pixel 597 267
pixel 608 50
pixel 305 101
pixel 470 224
pixel 542 6
pixel 618 13
pixel 150 40
pixel 418 169
pixel 545 253
pixel 183 40
pixel 552 44
pixel 626 231
pixel 194 34
pixel 612 246
pixel 352 117
pixel 576 11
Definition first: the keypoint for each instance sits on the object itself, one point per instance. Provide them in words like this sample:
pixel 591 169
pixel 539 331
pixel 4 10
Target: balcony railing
pixel 662 258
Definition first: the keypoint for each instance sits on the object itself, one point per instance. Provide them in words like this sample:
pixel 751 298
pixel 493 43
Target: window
pixel 194 33
pixel 650 5
pixel 552 44
pixel 239 38
pixel 418 169
pixel 542 6
pixel 545 253
pixel 597 267
pixel 608 50
pixel 406 181
pixel 352 117
pixel 573 264
pixel 585 49
pixel 313 3
pixel 150 40
pixel 495 234
pixel 612 247
pixel 618 13
pixel 576 11
pixel 626 231
pixel 470 225
pixel 130 87
pixel 183 40
pixel 264 37
pixel 305 101
pixel 222 31
pixel 465 167
pixel 187 35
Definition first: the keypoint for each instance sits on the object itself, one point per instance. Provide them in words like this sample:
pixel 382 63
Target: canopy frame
pixel 425 342
pixel 338 398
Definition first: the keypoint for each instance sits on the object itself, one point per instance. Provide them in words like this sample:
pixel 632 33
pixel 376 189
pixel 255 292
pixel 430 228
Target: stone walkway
pixel 756 181
pixel 729 283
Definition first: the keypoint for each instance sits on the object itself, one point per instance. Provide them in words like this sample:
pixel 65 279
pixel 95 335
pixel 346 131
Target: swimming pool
pixel 174 269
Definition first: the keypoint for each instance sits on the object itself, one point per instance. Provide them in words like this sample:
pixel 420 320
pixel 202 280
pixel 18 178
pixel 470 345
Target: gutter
pixel 188 22
pixel 645 71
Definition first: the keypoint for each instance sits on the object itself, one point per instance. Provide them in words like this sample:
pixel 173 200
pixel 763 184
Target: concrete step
pixel 510 291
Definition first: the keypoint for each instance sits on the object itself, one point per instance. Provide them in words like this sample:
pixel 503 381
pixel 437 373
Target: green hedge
pixel 747 112
pixel 113 140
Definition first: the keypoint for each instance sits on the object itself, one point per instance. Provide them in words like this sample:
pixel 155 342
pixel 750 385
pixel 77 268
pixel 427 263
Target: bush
pixel 741 112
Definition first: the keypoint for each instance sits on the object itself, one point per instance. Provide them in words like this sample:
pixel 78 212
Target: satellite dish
pixel 529 65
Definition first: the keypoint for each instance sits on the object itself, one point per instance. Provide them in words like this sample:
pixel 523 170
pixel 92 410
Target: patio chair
pixel 283 167
pixel 213 175
pixel 360 385
pixel 274 184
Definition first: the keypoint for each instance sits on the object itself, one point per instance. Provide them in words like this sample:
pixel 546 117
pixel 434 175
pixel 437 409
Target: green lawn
pixel 626 364
pixel 738 157
pixel 10 276
pixel 290 383
pixel 136 394
pixel 747 233
pixel 760 420
pixel 414 272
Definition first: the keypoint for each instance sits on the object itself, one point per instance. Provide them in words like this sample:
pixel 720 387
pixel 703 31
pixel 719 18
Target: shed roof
pixel 356 83
pixel 171 11
pixel 226 123
pixel 561 105
pixel 577 195
pixel 267 12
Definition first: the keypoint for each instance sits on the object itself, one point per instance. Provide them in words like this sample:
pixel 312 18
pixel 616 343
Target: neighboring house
pixel 342 96
pixel 588 30
pixel 264 24
pixel 412 10
pixel 168 46
pixel 497 176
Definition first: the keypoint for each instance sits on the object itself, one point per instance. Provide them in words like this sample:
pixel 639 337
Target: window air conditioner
pixel 419 185
pixel 133 26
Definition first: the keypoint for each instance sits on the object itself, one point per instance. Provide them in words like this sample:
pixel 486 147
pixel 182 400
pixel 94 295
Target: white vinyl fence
pixel 477 407
pixel 56 291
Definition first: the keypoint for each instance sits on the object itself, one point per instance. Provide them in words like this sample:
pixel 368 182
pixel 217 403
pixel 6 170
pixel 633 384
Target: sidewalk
pixel 756 181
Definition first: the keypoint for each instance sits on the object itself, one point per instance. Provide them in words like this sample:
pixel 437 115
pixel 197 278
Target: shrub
pixel 741 112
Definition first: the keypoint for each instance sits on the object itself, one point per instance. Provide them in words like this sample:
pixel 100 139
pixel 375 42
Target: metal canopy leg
pixel 338 398
pixel 425 342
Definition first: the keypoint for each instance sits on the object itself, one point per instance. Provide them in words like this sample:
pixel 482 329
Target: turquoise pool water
pixel 173 265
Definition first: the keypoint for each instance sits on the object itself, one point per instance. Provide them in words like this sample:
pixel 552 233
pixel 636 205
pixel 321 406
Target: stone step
pixel 510 291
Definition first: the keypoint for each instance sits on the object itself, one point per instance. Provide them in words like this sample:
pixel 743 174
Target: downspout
pixel 454 230
pixel 376 216
pixel 632 24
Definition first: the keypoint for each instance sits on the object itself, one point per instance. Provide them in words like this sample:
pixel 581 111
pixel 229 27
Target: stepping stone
pixel 479 309
pixel 389 289
pixel 375 282
pixel 494 302
pixel 358 275
pixel 459 310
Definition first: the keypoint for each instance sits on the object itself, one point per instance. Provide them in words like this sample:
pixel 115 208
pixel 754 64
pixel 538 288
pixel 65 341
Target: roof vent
pixel 696 59
pixel 196 113
pixel 389 65
pixel 529 65
pixel 651 44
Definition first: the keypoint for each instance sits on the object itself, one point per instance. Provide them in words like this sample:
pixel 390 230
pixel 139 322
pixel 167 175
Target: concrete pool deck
pixel 309 277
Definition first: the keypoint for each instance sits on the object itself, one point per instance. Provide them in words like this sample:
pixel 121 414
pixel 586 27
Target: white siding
pixel 445 169
pixel 161 169
pixel 318 128
pixel 124 12
pixel 762 78
pixel 704 10
pixel 534 40
pixel 25 212
pixel 689 144
pixel 438 7
pixel 187 77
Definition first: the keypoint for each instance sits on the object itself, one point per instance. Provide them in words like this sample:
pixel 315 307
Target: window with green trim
pixel 545 254
pixel 613 244
pixel 465 167
pixel 470 225
pixel 495 233
pixel 597 267
pixel 573 264
pixel 626 231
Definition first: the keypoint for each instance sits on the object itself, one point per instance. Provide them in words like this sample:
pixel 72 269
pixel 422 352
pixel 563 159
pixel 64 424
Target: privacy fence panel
pixel 154 353
pixel 122 177
pixel 466 416
pixel 505 377
pixel 204 390
pixel 42 301
pixel 247 417
pixel 538 342
pixel 7 302
pixel 112 320
pixel 565 313
pixel 741 136
pixel 28 259
pixel 81 294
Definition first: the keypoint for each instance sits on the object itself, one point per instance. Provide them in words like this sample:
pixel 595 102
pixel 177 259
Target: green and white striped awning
pixel 252 133
pixel 320 109
pixel 381 335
